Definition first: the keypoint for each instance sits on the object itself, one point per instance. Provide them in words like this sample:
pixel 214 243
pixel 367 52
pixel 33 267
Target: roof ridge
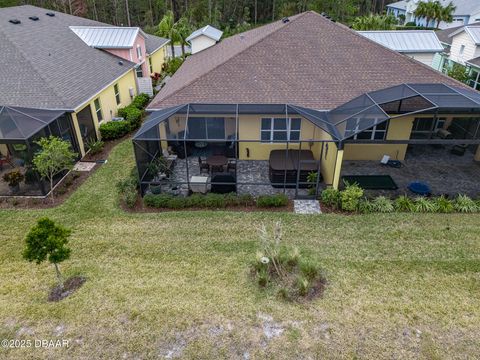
pixel 39 73
pixel 239 52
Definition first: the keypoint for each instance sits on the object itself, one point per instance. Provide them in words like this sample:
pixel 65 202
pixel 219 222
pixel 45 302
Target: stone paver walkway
pixel 306 207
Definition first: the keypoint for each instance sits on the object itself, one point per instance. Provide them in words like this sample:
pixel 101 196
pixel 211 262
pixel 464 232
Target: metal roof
pixel 107 37
pixel 462 7
pixel 402 5
pixel 208 31
pixel 407 41
pixel 17 123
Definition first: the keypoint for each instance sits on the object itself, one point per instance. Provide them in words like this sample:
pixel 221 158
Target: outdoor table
pixel 217 161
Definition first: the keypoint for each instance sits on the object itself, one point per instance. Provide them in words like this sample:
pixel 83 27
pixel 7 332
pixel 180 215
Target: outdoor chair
pixel 232 165
pixel 203 165
pixel 6 160
pixel 227 184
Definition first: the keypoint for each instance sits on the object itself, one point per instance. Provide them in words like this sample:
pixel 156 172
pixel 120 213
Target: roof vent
pixel 120 63
pixel 14 21
pixel 50 14
pixel 33 18
pixel 285 20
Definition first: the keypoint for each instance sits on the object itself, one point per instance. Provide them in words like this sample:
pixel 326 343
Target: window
pixel 426 125
pixel 280 129
pixel 139 71
pixel 116 90
pixel 376 132
pixel 98 109
pixel 139 51
pixel 462 49
pixel 150 65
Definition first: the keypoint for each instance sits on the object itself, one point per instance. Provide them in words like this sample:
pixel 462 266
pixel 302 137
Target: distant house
pixel 204 38
pixel 466 12
pixel 463 47
pixel 421 45
pixel 51 60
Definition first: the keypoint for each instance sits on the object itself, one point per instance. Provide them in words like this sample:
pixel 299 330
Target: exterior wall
pixel 438 61
pixel 201 43
pixel 3 149
pixel 131 54
pixel 474 18
pixel 249 129
pixel 398 129
pixel 108 103
pixel 158 59
pixel 469 52
pixel 425 58
pixel 329 154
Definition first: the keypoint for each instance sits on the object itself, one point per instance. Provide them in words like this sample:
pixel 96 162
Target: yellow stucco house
pixel 81 69
pixel 306 102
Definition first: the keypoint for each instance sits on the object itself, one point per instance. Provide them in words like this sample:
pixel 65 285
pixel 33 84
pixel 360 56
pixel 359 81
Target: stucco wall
pixel 108 103
pixel 158 59
pixel 131 54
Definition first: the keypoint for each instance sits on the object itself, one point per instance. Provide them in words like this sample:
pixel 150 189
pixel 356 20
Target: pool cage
pixel 20 129
pixel 172 144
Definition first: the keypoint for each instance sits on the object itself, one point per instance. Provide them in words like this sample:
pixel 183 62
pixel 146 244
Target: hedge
pixel 114 129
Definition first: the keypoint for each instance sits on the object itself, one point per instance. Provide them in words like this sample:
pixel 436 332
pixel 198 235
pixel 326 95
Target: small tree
pixel 47 241
pixel 458 72
pixel 167 29
pixel 54 157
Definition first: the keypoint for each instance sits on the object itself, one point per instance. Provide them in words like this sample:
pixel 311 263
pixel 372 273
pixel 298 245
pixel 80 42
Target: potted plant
pixel 14 178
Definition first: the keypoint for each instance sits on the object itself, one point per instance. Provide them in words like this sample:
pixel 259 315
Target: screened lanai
pixel 265 148
pixel 20 129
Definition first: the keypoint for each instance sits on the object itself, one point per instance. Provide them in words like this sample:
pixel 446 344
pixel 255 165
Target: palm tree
pixel 183 31
pixel 427 10
pixel 446 13
pixel 167 29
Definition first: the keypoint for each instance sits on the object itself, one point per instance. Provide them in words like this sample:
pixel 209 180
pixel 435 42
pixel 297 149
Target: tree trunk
pixel 59 276
pixel 273 10
pixel 173 48
pixel 128 13
pixel 255 12
pixel 51 189
pixel 183 49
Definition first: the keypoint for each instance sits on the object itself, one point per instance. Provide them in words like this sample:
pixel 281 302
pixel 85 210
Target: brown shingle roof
pixel 309 61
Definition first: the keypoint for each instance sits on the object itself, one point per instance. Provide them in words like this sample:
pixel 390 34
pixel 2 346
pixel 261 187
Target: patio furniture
pixel 202 162
pixel 200 144
pixel 279 163
pixel 198 184
pixel 6 160
pixel 217 162
pixel 459 150
pixel 232 165
pixel 223 184
pixel 419 188
pixel 371 182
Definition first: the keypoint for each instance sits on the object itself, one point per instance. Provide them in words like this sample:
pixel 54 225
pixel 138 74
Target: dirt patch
pixel 69 287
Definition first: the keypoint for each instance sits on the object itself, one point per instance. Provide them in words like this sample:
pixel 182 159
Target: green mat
pixel 371 182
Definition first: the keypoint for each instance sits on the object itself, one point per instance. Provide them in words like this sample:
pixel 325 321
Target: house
pixel 462 46
pixel 466 12
pixel 53 62
pixel 203 38
pixel 270 108
pixel 421 45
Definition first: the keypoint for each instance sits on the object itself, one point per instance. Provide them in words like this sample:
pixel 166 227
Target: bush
pixel 350 197
pixel 212 200
pixel 423 204
pixel 404 204
pixel 95 146
pixel 365 206
pixel 157 201
pixel 278 200
pixel 464 204
pixel 132 116
pixel 330 197
pixel 170 66
pixel 140 101
pixel 128 189
pixel 443 205
pixel 114 129
pixel 382 204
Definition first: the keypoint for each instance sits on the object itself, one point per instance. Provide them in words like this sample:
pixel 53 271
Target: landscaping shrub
pixel 443 204
pixel 212 200
pixel 114 129
pixel 278 200
pixel 365 206
pixel 128 189
pixel 350 197
pixel 141 101
pixel 330 197
pixel 382 204
pixel 423 204
pixel 95 146
pixel 464 204
pixel 157 201
pixel 132 115
pixel 403 204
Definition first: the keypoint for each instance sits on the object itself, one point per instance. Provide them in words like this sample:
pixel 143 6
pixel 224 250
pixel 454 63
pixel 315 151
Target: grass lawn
pixel 176 284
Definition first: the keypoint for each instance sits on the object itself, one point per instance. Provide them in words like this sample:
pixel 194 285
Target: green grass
pixel 399 285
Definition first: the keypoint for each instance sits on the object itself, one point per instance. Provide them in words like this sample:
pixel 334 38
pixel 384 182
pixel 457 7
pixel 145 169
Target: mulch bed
pixel 68 186
pixel 69 287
